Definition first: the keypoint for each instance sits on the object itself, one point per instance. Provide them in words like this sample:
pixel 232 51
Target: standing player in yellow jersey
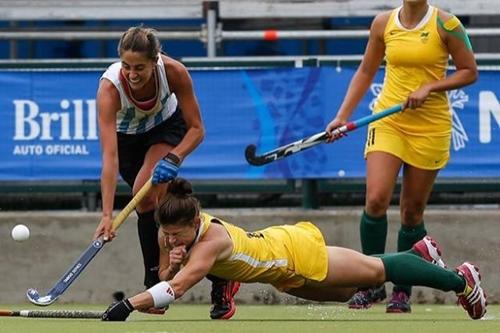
pixel 292 258
pixel 416 40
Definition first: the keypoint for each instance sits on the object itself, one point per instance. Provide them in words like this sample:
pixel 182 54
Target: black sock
pixel 215 279
pixel 148 237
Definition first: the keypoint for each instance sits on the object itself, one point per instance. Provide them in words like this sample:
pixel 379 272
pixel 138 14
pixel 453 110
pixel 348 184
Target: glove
pixel 166 169
pixel 118 311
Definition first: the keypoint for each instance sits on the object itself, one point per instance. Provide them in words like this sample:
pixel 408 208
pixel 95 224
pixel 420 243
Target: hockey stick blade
pixel 79 265
pixel 68 277
pixel 283 151
pixel 313 140
pixel 253 159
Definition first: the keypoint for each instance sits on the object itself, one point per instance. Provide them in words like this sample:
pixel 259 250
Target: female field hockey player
pixel 416 40
pixel 149 122
pixel 293 258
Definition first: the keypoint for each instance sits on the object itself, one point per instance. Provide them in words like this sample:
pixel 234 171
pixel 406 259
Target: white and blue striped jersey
pixel 130 119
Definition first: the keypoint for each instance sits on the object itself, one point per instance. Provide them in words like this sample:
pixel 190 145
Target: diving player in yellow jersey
pixel 416 40
pixel 293 258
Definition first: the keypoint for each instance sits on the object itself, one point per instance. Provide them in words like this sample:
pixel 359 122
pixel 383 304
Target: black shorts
pixel 132 148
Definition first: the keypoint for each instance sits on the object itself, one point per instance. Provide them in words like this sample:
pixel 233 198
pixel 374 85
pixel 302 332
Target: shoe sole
pixel 432 249
pixel 474 271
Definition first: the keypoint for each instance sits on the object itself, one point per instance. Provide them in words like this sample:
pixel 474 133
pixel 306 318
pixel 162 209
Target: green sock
pixel 408 236
pixel 373 231
pixel 407 268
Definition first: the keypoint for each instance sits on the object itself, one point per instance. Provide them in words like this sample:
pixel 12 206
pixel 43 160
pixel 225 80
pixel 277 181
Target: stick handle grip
pixel 125 212
pixel 8 313
pixel 352 125
pixel 51 314
pixel 376 116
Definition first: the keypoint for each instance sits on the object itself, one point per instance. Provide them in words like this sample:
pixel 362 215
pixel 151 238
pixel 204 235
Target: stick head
pixel 250 152
pixel 255 160
pixel 35 298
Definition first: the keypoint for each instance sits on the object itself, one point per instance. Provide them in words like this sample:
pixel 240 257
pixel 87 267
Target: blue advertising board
pixel 49 124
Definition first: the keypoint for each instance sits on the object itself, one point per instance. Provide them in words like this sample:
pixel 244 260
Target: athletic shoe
pixel 223 306
pixel 364 298
pixel 399 303
pixel 429 250
pixel 472 299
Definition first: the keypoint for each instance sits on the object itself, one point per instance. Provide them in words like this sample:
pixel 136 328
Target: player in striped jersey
pixel 149 121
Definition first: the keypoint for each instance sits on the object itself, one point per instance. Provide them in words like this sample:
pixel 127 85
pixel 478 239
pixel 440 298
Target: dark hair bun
pixel 180 187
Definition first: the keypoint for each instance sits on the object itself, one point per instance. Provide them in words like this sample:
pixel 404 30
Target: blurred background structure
pixel 74 29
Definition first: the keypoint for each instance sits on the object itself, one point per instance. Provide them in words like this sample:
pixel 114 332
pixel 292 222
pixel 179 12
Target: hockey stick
pixel 79 265
pixel 311 141
pixel 52 314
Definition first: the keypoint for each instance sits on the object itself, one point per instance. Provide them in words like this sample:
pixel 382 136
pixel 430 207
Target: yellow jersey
pixel 415 57
pixel 285 256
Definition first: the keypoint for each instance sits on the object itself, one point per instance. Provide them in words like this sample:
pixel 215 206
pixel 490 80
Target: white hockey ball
pixel 20 233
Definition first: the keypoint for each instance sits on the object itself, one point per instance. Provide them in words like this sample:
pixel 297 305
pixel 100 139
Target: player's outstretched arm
pixel 200 261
